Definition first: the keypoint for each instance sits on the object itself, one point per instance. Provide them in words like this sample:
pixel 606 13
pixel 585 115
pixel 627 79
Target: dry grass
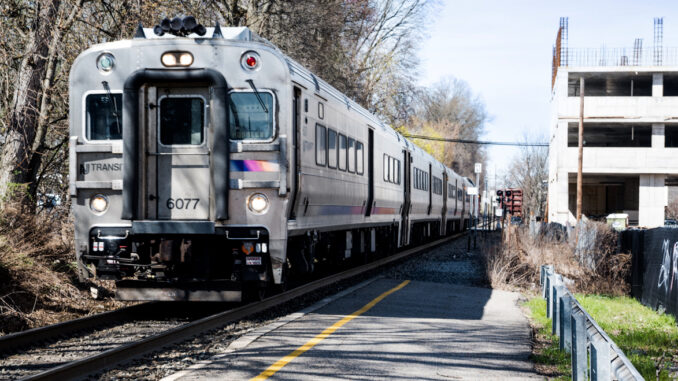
pixel 38 280
pixel 591 263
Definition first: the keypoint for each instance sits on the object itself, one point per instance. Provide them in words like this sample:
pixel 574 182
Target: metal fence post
pixel 579 352
pixel 600 360
pixel 555 313
pixel 565 312
pixel 545 271
pixel 548 296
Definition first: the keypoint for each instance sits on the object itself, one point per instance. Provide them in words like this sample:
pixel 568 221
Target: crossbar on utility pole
pixel 581 148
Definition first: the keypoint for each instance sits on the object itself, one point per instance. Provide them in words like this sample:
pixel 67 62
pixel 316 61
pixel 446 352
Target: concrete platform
pixel 423 331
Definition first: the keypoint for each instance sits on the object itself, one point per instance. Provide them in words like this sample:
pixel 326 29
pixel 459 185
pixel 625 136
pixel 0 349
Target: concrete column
pixel 558 203
pixel 652 198
pixel 657 84
pixel 658 135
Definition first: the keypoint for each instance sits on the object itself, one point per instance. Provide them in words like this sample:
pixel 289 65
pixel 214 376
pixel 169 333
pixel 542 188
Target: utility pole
pixel 581 148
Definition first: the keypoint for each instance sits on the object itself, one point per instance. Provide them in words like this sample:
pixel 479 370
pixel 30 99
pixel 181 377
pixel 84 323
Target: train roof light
pixel 176 59
pixel 250 60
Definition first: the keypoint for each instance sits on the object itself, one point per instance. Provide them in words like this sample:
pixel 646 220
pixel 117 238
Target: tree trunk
pixel 19 161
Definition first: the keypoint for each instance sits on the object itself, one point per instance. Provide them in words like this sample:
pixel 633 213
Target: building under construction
pixel 630 134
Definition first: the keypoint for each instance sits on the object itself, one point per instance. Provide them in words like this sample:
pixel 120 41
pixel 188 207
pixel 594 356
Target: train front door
pixel 178 185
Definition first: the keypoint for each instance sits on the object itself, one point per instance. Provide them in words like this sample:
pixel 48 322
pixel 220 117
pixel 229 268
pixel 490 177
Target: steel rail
pixel 96 363
pixel 13 342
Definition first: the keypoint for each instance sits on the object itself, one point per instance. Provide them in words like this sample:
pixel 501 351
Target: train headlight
pixel 98 203
pixel 176 59
pixel 105 62
pixel 258 203
pixel 250 60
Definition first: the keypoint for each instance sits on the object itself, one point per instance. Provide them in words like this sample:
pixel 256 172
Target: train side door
pixel 370 173
pixel 444 215
pixel 296 138
pixel 178 176
pixel 456 197
pixel 405 212
pixel 430 188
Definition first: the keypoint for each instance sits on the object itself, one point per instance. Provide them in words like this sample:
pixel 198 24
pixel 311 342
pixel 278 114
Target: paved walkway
pixel 421 331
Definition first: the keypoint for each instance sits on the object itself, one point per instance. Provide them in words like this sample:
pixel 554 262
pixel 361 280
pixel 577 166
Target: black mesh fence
pixel 654 272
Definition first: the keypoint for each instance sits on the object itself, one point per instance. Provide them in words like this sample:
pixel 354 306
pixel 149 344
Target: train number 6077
pixel 182 203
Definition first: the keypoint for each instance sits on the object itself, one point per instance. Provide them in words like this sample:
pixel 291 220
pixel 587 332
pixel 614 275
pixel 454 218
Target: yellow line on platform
pixel 325 334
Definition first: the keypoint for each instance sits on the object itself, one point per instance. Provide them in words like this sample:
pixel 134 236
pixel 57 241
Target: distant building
pixel 630 139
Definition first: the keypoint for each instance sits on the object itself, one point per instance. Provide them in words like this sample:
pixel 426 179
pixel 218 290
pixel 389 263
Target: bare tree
pixel 529 172
pixel 453 111
pixel 29 114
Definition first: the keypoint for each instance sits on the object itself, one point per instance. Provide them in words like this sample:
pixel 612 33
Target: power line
pixel 482 142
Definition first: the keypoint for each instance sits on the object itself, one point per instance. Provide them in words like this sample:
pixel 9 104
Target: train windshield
pixel 248 117
pixel 103 116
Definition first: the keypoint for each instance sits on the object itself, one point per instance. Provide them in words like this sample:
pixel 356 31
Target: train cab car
pixel 205 165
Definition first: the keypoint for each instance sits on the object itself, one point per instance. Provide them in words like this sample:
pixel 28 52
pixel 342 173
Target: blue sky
pixel 502 49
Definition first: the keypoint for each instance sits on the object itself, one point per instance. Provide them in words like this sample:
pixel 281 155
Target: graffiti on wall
pixel 669 267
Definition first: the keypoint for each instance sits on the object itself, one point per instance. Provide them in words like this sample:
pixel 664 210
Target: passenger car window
pixel 351 155
pixel 102 122
pixel 247 118
pixel 360 159
pixel 342 152
pixel 182 121
pixel 331 148
pixel 397 171
pixel 385 168
pixel 320 145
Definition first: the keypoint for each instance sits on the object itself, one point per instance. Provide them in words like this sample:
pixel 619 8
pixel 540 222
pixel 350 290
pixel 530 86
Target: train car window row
pixel 103 117
pixel 248 118
pixel 420 179
pixel 437 185
pixel 468 198
pixel 451 191
pixel 459 194
pixel 391 169
pixel 338 151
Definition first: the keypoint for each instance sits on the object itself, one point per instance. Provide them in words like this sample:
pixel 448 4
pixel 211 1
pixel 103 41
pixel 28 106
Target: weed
pixel 548 358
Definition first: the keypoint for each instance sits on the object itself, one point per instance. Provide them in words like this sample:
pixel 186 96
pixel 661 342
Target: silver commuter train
pixel 207 166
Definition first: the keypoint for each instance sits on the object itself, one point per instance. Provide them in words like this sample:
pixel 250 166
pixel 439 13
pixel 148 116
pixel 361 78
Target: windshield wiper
pixel 256 92
pixel 115 105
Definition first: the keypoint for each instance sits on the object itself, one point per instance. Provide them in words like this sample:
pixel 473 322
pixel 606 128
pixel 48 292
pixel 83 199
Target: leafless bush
pixel 593 263
pixel 38 272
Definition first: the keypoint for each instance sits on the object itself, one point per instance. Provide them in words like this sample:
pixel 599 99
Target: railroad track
pixel 92 364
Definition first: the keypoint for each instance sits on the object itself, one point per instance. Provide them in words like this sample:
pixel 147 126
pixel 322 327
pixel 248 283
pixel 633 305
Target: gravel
pixel 449 263
pixel 42 358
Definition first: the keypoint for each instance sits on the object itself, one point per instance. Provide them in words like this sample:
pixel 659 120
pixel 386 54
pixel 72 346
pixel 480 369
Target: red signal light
pixel 251 61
